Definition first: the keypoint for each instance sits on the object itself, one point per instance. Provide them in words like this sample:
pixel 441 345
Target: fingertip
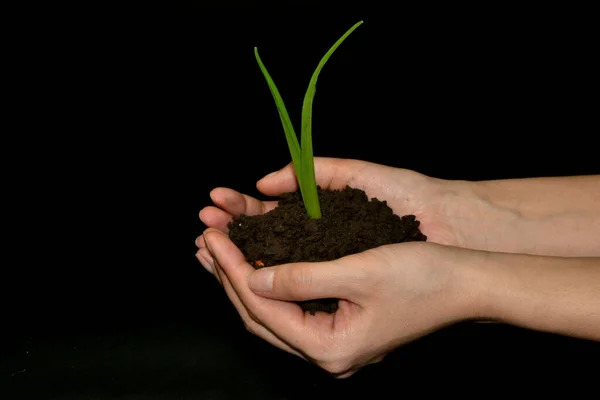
pixel 210 237
pixel 217 195
pixel 210 232
pixel 214 217
pixel 261 280
pixel 199 242
pixel 202 214
pixel 278 182
pixel 269 175
pixel 265 180
pixel 206 260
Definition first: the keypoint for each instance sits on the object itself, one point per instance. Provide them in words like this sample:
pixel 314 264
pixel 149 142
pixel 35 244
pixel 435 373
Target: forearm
pixel 544 197
pixel 551 294
pixel 542 216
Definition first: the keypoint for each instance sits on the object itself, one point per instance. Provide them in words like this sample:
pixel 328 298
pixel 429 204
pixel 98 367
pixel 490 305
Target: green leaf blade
pixel 290 134
pixel 310 194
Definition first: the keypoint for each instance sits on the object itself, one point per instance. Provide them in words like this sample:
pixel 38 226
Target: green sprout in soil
pixel 302 153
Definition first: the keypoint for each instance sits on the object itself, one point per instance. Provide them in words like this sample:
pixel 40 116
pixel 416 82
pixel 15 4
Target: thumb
pixel 309 281
pixel 330 173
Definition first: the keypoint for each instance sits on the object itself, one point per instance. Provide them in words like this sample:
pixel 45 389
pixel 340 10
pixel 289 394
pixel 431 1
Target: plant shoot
pixel 302 153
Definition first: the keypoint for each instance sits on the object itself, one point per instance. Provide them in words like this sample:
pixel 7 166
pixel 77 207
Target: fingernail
pixel 208 265
pixel 262 280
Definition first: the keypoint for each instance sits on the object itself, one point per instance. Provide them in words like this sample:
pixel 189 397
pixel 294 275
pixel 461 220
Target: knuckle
pixel 299 277
pixel 335 367
pixel 331 357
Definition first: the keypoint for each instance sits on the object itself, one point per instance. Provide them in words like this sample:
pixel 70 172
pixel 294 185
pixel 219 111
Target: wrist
pixel 551 294
pixel 477 279
pixel 475 221
pixel 470 288
pixel 465 290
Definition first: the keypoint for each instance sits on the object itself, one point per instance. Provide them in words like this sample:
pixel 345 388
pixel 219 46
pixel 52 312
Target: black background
pixel 122 124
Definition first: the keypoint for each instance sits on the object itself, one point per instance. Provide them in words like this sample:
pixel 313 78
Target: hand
pixel 406 192
pixel 391 295
pixel 496 216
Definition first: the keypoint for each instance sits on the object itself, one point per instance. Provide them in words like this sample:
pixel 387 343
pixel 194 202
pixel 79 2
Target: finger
pixel 207 261
pixel 284 319
pixel 200 242
pixel 251 325
pixel 236 203
pixel 214 217
pixel 205 258
pixel 345 278
pixel 331 173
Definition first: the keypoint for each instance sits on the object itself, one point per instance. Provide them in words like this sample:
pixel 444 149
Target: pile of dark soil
pixel 350 223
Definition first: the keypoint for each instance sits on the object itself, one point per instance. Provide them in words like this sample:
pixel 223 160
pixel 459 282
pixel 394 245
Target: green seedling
pixel 302 153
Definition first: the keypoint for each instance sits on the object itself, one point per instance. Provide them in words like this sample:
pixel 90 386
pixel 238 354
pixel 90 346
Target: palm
pixel 409 192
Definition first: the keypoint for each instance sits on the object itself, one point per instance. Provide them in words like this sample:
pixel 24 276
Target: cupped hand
pixel 389 296
pixel 406 192
pixel 341 343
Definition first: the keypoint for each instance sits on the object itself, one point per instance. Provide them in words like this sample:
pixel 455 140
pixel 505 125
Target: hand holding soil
pixel 405 192
pixel 365 206
pixel 390 295
pixel 491 252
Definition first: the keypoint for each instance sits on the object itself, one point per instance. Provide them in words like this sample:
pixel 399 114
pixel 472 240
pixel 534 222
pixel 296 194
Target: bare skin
pixel 514 215
pixel 545 216
pixel 463 272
